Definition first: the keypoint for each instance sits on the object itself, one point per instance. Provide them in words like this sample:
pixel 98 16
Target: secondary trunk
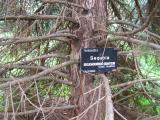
pixel 92 21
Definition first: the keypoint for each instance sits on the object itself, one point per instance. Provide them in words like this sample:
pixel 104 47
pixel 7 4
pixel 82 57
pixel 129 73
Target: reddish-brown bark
pixel 92 22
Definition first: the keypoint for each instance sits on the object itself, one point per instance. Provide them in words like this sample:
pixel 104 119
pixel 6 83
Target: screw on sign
pixel 98 60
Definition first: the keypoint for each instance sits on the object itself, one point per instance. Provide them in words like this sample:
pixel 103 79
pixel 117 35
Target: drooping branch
pixel 41 78
pixel 31 67
pixel 18 40
pixel 132 40
pixel 138 9
pixel 63 2
pixel 144 25
pixel 110 22
pixel 40 74
pixel 10 66
pixel 36 17
pixel 134 82
pixel 115 9
pixel 55 55
pixel 44 109
pixel 121 90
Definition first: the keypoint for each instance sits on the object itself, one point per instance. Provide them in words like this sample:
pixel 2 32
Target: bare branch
pixel 45 109
pixel 8 41
pixel 11 66
pixel 37 68
pixel 153 34
pixel 133 40
pixel 45 72
pixel 27 52
pixel 36 17
pixel 134 82
pixel 23 64
pixel 144 25
pixel 121 90
pixel 109 22
pixel 133 25
pixel 62 2
pixel 115 9
pixel 119 114
pixel 89 107
pixel 138 10
pixel 41 78
pixel 55 55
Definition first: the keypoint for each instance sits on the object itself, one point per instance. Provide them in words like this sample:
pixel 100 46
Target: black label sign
pixel 98 59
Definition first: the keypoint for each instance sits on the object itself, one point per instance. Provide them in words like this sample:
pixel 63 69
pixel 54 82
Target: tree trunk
pixel 92 22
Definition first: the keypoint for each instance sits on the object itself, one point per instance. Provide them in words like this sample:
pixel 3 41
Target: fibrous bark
pixel 92 22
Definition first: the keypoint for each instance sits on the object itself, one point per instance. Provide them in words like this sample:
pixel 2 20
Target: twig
pixel 38 99
pixel 27 52
pixel 120 91
pixel 92 90
pixel 89 107
pixel 119 114
pixel 12 104
pixel 90 104
pixel 6 104
pixel 45 72
pixel 25 96
pixel 138 10
pixel 99 96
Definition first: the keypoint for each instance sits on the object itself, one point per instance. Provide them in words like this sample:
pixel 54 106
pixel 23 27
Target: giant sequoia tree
pixel 40 44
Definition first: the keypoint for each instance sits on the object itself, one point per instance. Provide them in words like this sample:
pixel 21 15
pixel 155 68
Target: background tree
pixel 40 44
